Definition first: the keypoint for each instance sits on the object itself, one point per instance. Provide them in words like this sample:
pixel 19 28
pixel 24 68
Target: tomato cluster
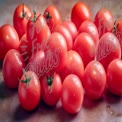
pixel 51 59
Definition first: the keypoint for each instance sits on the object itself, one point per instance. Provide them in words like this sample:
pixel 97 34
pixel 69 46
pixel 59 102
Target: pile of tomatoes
pixel 51 59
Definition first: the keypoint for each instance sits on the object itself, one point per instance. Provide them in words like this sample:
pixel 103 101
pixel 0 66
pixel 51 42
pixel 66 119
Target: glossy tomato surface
pixel 12 68
pixel 108 49
pixel 21 16
pixel 51 89
pixel 29 91
pixel 52 16
pixel 80 12
pixel 94 81
pixel 114 77
pixel 8 40
pixel 72 94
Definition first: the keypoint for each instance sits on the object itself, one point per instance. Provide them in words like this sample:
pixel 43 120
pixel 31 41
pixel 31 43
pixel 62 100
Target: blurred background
pixel 7 7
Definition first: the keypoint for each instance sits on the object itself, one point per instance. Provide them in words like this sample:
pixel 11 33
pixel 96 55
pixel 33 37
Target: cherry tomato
pixel 21 16
pixel 80 12
pixel 118 31
pixel 51 89
pixel 72 94
pixel 52 16
pixel 108 49
pixel 104 21
pixel 94 81
pixel 12 68
pixel 37 63
pixel 56 51
pixel 29 91
pixel 114 77
pixel 72 28
pixel 73 64
pixel 85 46
pixel 8 40
pixel 38 31
pixel 25 48
pixel 68 37
pixel 89 27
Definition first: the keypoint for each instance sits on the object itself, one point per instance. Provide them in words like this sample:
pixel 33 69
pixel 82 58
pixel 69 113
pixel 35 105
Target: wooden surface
pixel 107 109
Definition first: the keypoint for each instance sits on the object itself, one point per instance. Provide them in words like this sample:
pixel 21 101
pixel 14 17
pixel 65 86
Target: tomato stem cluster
pixel 23 12
pixel 27 79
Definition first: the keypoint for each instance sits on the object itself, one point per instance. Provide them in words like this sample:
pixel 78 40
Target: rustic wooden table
pixel 107 109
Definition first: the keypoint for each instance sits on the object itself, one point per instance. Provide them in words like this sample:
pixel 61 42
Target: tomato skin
pixel 73 64
pixel 56 48
pixel 94 81
pixel 25 48
pixel 8 40
pixel 85 46
pixel 72 94
pixel 118 32
pixel 52 16
pixel 12 68
pixel 30 93
pixel 104 21
pixel 80 12
pixel 108 49
pixel 114 77
pixel 38 32
pixel 36 63
pixel 72 28
pixel 89 27
pixel 51 94
pixel 64 31
pixel 20 22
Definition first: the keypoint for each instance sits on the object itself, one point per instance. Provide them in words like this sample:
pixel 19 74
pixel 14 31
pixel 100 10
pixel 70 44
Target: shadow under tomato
pixel 111 98
pixel 1 63
pixel 62 114
pixel 89 104
pixel 56 112
pixel 6 92
pixel 21 114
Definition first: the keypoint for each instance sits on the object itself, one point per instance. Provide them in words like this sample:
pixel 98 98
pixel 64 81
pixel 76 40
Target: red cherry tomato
pixel 72 28
pixel 118 31
pixel 38 31
pixel 94 81
pixel 56 51
pixel 51 89
pixel 104 21
pixel 68 37
pixel 52 16
pixel 25 48
pixel 21 16
pixel 29 91
pixel 8 40
pixel 114 77
pixel 73 64
pixel 80 12
pixel 12 68
pixel 89 27
pixel 108 49
pixel 85 46
pixel 72 94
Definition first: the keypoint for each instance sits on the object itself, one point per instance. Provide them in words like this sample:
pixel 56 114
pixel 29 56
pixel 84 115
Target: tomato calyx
pixel 48 16
pixel 27 79
pixel 23 12
pixel 49 80
pixel 35 18
pixel 115 27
